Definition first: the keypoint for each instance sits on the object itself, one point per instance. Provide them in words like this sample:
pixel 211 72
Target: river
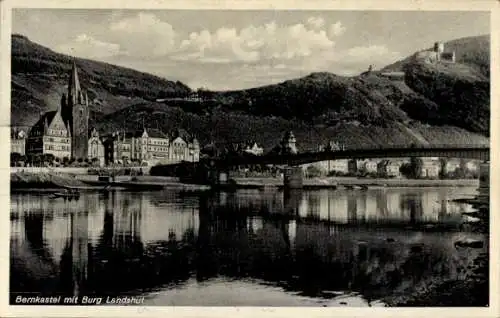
pixel 248 248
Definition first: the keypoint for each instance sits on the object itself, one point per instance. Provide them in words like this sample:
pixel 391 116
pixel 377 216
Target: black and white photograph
pixel 249 158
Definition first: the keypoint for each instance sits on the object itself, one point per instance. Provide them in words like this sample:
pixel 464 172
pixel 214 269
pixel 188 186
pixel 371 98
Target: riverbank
pixel 57 180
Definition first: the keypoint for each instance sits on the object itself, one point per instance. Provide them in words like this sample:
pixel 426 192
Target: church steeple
pixel 62 105
pixel 74 89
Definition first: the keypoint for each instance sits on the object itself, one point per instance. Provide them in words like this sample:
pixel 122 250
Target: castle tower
pixel 439 49
pixel 75 110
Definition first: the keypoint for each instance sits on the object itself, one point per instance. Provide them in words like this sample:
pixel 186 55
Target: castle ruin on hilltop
pixel 437 54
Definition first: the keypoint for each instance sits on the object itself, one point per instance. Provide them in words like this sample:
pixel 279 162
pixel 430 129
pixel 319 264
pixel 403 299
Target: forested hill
pixel 432 103
pixel 40 75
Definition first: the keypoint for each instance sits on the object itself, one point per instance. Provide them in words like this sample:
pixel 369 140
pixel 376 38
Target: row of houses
pixel 150 146
pixel 431 167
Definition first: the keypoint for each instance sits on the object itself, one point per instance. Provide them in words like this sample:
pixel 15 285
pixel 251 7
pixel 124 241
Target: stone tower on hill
pixel 75 112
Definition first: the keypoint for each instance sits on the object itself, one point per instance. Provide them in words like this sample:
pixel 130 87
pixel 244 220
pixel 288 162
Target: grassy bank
pixel 471 292
pixel 340 181
pixel 42 180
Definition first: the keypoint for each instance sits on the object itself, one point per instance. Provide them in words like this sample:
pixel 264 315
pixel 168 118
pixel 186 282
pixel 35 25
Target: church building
pixel 63 133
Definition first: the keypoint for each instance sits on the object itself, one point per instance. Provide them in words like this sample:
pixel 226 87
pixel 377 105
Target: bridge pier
pixel 217 177
pixel 293 178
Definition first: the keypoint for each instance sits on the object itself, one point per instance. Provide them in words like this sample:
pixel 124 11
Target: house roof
pixel 184 135
pixel 40 124
pixel 155 133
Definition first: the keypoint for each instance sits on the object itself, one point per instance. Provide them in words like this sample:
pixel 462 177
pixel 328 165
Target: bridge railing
pixel 388 148
pixel 413 146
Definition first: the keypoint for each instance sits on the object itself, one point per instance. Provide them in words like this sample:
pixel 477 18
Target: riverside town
pixel 164 158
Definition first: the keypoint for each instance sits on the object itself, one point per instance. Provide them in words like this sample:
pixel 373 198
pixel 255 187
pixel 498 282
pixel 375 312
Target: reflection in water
pixel 310 243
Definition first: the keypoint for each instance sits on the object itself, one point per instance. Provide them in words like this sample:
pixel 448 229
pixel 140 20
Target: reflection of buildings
pixel 381 203
pixel 274 245
pixel 79 242
pixel 127 223
pixel 352 208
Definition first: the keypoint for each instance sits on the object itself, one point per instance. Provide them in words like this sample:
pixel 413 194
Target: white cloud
pixel 144 35
pixel 254 43
pixel 86 46
pixel 229 57
pixel 336 29
pixel 316 22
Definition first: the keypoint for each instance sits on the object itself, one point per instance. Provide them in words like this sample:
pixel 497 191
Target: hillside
pixel 438 103
pixel 40 75
pixel 438 94
pixel 221 126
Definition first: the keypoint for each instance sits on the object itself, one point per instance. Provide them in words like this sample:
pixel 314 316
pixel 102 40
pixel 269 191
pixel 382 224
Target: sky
pixel 227 50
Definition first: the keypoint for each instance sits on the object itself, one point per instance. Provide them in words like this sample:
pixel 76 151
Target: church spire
pixel 62 105
pixel 74 89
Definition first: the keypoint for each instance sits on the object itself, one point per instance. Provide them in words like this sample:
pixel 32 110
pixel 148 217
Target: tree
pixel 37 159
pixel 461 170
pixel 443 162
pixel 413 169
pixel 14 158
pixel 48 158
pixel 405 170
pixel 416 165
pixel 353 166
pixel 313 171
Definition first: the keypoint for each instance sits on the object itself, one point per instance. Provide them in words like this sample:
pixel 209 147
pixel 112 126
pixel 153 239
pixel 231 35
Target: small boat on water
pixel 67 194
pixel 137 185
pixel 363 187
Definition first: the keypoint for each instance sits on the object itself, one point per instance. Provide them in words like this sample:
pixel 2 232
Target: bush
pixel 313 172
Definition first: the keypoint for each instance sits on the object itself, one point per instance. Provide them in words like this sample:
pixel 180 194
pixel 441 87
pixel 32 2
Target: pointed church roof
pixel 45 118
pixel 74 88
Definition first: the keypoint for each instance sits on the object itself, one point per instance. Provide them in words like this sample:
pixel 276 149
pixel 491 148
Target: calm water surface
pixel 263 248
